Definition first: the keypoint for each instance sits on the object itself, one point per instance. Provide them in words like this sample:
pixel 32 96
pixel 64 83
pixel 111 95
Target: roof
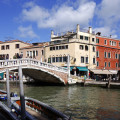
pixel 35 46
pixel 11 41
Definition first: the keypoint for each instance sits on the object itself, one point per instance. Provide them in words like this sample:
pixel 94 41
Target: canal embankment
pixel 95 83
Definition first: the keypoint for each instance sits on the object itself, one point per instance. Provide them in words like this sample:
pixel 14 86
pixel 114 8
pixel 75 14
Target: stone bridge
pixel 39 71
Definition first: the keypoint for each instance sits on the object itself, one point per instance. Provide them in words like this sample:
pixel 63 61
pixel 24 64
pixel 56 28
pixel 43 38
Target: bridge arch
pixel 39 71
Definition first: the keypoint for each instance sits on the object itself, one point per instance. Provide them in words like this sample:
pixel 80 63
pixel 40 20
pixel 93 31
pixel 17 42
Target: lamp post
pixel 68 65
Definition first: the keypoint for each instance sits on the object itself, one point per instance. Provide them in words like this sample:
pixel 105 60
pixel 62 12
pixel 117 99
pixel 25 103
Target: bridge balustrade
pixel 28 61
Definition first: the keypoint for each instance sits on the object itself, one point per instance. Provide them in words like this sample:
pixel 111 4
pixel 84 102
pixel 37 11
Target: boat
pixel 6 113
pixel 38 110
pixel 72 81
pixel 3 95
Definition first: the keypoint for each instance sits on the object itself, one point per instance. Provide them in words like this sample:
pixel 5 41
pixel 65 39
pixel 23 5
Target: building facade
pixel 35 51
pixel 10 49
pixel 79 45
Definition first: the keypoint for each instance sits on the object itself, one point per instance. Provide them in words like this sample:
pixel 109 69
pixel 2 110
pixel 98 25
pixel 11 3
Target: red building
pixel 107 53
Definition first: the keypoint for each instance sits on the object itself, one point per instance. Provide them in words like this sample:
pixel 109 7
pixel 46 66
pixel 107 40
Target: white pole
pixel 22 100
pixel 68 66
pixel 8 87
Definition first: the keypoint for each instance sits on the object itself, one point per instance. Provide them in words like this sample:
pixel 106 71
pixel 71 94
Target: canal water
pixel 81 103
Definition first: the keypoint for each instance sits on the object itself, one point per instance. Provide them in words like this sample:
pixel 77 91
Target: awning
pixel 104 72
pixel 82 68
pixel 1 75
pixel 113 71
pixel 70 68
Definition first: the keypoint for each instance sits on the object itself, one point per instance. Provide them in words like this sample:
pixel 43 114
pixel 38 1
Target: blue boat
pixel 3 95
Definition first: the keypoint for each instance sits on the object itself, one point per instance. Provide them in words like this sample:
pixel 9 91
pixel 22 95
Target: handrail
pixel 29 61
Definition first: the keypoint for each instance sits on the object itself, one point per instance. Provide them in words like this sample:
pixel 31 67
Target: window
pixel 60 59
pixel 63 47
pixel 109 55
pixel 81 37
pixel 57 47
pixel 7 47
pixel 86 60
pixel 36 53
pixel 116 56
pixel 57 59
pixel 105 64
pixel 49 60
pixel 3 47
pixel 81 47
pixel 86 48
pixel 110 43
pixel 33 54
pixel 105 42
pixel 64 58
pixel 94 60
pixel 53 59
pixel 97 54
pixel 27 54
pixel 86 38
pixel 108 64
pixel 97 40
pixel 60 47
pixel 82 59
pixel 42 52
pixel 93 39
pixel 114 43
pixel 93 49
pixel 30 53
pixel 97 63
pixel 119 44
pixel 116 65
pixel 66 46
pixel 51 48
pixel 17 45
pixel 105 54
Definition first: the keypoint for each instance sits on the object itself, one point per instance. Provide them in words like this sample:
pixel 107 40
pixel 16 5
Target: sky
pixel 32 20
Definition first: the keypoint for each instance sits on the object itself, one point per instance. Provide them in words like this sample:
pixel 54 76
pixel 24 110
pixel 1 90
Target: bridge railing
pixel 28 61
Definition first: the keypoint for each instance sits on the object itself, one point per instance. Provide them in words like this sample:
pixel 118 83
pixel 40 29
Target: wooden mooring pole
pixel 8 87
pixel 108 85
pixel 22 100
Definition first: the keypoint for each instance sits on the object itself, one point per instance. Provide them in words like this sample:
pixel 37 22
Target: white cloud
pixel 62 16
pixel 26 32
pixel 108 11
pixel 106 31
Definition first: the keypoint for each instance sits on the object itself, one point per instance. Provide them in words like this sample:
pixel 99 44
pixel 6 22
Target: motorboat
pixel 3 95
pixel 37 110
pixel 6 113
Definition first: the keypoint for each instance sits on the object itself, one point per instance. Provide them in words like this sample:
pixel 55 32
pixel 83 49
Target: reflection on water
pixel 82 103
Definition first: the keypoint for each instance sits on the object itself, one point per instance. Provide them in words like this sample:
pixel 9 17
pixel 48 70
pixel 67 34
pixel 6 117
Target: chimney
pixel 52 33
pixel 90 30
pixel 77 30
